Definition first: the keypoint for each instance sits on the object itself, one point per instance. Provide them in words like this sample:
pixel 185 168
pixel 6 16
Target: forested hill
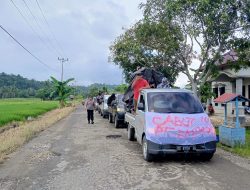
pixel 16 86
pixel 19 82
pixel 12 86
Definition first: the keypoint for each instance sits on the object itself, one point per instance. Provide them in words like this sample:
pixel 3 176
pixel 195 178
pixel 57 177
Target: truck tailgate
pixel 130 118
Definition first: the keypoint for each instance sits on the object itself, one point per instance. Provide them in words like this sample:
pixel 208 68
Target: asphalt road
pixel 75 155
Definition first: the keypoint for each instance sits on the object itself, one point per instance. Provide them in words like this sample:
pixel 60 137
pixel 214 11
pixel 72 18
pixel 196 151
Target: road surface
pixel 75 155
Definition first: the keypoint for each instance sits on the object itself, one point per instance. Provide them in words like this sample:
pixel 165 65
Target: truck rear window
pixel 173 102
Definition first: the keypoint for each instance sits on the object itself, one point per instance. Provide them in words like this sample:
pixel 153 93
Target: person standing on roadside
pixel 138 84
pixel 210 109
pixel 90 106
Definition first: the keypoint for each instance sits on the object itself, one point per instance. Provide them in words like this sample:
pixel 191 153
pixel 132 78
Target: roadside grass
pixel 243 150
pixel 20 109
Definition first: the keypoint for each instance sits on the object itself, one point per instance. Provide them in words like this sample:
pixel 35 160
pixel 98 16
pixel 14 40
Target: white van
pixel 104 107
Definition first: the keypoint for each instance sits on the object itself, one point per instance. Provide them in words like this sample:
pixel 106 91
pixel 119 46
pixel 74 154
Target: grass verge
pixel 16 137
pixel 21 109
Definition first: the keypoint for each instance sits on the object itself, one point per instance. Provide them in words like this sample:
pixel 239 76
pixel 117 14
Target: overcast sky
pixel 84 29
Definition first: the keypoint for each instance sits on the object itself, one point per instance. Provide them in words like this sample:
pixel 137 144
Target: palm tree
pixel 61 90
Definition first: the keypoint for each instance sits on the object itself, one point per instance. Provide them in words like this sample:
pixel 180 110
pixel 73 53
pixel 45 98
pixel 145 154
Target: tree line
pixel 16 86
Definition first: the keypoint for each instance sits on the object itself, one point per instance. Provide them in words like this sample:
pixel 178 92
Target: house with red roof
pixel 230 81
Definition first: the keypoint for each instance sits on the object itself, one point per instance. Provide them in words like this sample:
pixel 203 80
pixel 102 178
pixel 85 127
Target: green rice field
pixel 21 109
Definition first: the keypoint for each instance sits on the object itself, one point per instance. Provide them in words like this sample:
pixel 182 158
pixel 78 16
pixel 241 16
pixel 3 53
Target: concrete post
pixel 241 113
pixel 239 84
pixel 237 113
pixel 218 87
pixel 225 119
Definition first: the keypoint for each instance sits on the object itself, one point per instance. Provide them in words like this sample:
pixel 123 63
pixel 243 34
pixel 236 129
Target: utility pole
pixel 62 60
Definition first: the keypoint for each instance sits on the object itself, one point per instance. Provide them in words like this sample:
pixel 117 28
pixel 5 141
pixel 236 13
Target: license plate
pixel 186 148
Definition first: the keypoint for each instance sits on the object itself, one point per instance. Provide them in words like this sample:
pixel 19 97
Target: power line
pixel 39 26
pixel 30 25
pixel 40 61
pixel 51 31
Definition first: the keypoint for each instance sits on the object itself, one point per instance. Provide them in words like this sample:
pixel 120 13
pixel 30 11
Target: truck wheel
pixel 131 133
pixel 110 118
pixel 122 124
pixel 206 156
pixel 148 157
pixel 116 122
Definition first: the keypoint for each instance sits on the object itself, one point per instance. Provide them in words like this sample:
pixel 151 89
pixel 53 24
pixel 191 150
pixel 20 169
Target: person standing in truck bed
pixel 138 84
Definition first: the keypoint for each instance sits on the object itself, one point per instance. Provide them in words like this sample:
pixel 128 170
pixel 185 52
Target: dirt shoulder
pixel 13 138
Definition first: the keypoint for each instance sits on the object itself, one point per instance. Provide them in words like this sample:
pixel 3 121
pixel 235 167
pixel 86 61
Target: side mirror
pixel 140 106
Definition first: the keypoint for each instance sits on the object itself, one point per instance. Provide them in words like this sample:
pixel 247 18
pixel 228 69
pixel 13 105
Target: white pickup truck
pixel 170 121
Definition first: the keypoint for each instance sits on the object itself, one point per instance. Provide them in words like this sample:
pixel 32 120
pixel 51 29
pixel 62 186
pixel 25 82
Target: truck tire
pixel 131 133
pixel 148 157
pixel 122 124
pixel 110 118
pixel 116 122
pixel 206 156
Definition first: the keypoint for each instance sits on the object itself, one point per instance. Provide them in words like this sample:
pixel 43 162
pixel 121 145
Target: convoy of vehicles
pixel 166 121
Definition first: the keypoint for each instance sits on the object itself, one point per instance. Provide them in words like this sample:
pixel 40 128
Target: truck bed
pixel 130 119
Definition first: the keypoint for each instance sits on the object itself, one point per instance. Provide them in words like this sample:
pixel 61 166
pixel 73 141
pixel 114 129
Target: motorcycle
pixel 247 110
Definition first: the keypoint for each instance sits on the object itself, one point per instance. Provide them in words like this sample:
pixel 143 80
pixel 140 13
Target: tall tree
pixel 45 92
pixel 93 91
pixel 148 44
pixel 121 88
pixel 209 28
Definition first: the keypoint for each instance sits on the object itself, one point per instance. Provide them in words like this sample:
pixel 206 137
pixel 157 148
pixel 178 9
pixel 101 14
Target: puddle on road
pixel 113 136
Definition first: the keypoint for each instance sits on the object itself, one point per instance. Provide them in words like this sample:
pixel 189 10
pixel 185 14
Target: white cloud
pixel 85 29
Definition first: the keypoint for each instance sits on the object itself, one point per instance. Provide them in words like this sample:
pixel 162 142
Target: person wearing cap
pixel 164 83
pixel 138 84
